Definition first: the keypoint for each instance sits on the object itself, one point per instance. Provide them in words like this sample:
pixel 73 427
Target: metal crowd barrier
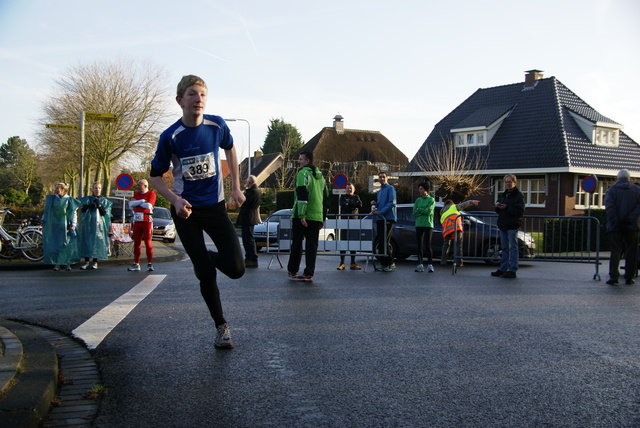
pixel 342 236
pixel 567 239
pixel 542 239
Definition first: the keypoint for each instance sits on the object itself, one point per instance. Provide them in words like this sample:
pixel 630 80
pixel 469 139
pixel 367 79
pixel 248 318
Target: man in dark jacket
pixel 510 209
pixel 250 216
pixel 622 204
pixel 350 203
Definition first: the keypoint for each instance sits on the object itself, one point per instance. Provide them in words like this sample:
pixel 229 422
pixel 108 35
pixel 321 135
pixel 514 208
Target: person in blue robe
pixel 59 239
pixel 95 222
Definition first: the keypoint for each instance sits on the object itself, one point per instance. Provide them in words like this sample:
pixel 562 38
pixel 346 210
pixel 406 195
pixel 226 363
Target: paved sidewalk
pixel 47 379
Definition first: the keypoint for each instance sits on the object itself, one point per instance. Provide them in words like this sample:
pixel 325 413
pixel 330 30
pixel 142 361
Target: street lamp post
pixel 249 143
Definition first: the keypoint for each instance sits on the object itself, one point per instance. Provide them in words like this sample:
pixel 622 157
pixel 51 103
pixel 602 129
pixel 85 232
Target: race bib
pixel 138 216
pixel 198 167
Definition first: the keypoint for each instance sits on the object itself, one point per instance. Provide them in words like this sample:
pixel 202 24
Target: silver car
pixel 273 222
pixel 163 227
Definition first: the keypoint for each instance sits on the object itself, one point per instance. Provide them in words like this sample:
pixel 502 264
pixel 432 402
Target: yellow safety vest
pixel 451 221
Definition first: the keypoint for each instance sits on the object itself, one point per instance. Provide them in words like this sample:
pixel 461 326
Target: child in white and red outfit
pixel 142 203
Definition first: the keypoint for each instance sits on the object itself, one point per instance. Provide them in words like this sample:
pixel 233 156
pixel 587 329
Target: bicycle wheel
pixel 8 250
pixel 31 241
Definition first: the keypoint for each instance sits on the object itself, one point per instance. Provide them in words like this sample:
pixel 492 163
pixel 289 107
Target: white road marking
pixel 95 329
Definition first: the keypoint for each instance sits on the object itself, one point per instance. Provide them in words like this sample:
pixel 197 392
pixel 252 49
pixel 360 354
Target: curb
pixel 27 399
pixel 162 253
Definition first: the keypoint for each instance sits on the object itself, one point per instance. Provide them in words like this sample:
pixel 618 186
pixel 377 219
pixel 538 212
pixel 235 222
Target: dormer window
pixel 600 133
pixel 605 136
pixel 470 137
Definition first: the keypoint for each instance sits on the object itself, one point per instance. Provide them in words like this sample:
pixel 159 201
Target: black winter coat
pixel 250 209
pixel 511 216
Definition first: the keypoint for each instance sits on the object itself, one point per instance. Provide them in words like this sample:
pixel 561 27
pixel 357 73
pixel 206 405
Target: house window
pixel 533 190
pixel 471 139
pixel 597 197
pixel 605 136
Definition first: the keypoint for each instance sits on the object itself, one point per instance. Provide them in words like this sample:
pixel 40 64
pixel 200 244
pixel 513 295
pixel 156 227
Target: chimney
pixel 338 125
pixel 531 77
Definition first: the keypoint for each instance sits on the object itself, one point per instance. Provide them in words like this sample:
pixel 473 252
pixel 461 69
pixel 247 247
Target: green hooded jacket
pixel 310 195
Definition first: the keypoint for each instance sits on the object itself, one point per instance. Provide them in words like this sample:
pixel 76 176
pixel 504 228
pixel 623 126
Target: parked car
pixel 163 227
pixel 116 211
pixel 480 239
pixel 273 222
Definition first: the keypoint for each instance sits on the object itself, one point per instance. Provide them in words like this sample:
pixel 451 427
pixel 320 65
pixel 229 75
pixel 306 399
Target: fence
pixel 564 239
pixel 540 238
pixel 339 236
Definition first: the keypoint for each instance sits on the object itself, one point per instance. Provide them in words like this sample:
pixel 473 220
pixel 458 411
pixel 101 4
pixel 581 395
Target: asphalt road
pixel 553 347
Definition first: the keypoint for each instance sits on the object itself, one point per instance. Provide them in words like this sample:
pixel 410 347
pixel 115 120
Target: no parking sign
pixel 124 182
pixel 589 183
pixel 340 181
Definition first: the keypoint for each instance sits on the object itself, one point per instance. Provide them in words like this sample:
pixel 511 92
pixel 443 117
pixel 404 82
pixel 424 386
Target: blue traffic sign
pixel 340 181
pixel 124 182
pixel 589 183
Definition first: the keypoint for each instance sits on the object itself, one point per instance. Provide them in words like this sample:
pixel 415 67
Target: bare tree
pixel 456 171
pixel 285 176
pixel 135 92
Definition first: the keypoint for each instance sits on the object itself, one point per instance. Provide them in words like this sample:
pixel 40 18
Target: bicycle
pixel 27 239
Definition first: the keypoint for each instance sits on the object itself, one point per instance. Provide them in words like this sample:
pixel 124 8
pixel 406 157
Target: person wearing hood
pixel 95 224
pixel 59 237
pixel 307 217
pixel 622 204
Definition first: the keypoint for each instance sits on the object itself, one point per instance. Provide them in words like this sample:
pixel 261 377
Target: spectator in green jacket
pixel 423 210
pixel 307 217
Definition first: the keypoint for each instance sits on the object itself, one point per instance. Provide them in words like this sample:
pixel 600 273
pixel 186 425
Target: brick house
pixel 542 132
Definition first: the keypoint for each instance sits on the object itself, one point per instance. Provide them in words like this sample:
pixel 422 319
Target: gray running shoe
pixel 223 337
pixel 134 267
pixel 420 268
pixel 150 267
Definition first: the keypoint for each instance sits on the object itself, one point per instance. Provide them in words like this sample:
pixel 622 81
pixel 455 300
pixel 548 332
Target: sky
pixel 394 67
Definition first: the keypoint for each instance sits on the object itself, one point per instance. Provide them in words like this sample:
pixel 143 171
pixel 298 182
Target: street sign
pixel 100 117
pixel 339 191
pixel 589 183
pixel 340 181
pixel 124 182
pixel 124 193
pixel 60 126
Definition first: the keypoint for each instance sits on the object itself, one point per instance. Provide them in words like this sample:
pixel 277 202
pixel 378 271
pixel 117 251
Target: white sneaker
pixel 84 266
pixel 223 337
pixel 134 267
pixel 420 268
pixel 94 265
pixel 429 268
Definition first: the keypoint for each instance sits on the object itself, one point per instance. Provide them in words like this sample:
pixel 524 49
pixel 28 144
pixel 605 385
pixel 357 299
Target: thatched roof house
pixel 338 145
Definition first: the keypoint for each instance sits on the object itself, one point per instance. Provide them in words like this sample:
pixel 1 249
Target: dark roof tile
pixel 539 132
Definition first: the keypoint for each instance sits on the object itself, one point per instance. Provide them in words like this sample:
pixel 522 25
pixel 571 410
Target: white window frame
pixel 597 197
pixel 471 138
pixel 607 137
pixel 525 186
